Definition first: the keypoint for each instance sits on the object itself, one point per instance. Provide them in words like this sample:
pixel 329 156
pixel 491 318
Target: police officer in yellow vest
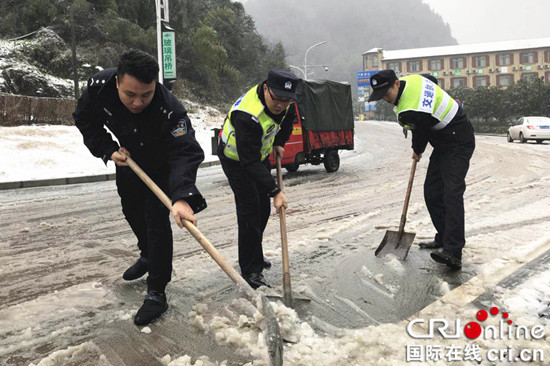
pixel 433 116
pixel 259 122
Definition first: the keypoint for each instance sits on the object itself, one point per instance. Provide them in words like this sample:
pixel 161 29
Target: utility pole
pixel 162 14
pixel 166 45
pixel 73 51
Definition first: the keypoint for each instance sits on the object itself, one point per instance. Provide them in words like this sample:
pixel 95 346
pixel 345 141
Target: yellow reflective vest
pixel 423 95
pixel 251 104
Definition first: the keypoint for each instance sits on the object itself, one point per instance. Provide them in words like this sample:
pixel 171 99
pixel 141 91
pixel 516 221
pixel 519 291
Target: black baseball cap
pixel 282 83
pixel 380 83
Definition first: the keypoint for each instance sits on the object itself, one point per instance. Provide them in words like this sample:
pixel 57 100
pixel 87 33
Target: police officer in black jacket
pixel 151 125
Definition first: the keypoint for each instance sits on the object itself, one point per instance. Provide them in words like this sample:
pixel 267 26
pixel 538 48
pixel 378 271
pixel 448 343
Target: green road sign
pixel 169 55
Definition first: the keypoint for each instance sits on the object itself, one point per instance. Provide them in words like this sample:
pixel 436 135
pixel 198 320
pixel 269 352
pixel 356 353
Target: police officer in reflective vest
pixel 433 116
pixel 151 125
pixel 259 122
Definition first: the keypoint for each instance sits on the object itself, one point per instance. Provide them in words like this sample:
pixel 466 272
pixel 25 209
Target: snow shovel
pixel 399 242
pixel 288 298
pixel 273 338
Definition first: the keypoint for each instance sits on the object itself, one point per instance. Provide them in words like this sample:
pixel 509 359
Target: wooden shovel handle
pixel 226 267
pixel 407 198
pixel 287 289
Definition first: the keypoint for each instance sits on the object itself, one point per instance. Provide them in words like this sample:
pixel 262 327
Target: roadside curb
pixel 74 180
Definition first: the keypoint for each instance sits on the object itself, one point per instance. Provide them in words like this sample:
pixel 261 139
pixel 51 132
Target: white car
pixel 530 128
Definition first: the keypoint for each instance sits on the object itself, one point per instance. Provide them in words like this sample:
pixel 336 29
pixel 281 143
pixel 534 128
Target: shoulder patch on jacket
pixel 180 128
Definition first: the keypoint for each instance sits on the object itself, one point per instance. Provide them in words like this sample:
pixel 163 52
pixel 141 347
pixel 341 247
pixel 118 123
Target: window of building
pixel 435 65
pixel 441 83
pixel 529 57
pixel 458 63
pixel 529 75
pixel 505 80
pixel 547 56
pixel 505 59
pixel 547 77
pixel 414 66
pixel 480 61
pixel 371 62
pixel 395 66
pixel 481 81
pixel 458 82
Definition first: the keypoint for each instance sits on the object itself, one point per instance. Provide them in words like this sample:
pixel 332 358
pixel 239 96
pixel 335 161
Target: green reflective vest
pixel 251 104
pixel 423 95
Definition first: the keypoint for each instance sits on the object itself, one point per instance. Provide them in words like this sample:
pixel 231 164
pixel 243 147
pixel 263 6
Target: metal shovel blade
pixel 291 300
pixel 395 243
pixel 274 340
pixel 399 242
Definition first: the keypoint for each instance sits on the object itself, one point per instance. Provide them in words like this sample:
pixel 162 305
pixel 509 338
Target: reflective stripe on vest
pixel 423 95
pixel 251 104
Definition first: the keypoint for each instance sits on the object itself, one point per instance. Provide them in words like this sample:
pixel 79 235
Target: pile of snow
pixel 44 152
pixel 84 354
pixel 204 119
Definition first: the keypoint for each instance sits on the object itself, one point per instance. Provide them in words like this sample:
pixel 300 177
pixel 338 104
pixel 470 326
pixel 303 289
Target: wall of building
pixel 490 70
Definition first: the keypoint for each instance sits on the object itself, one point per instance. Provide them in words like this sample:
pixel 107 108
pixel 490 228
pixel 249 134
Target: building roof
pixel 464 49
pixel 373 50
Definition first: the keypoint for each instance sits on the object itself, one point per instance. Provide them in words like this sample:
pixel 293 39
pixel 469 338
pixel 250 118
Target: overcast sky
pixel 475 21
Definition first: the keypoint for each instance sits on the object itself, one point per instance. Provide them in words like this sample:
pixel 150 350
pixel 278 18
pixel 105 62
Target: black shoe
pixel 430 245
pixel 267 263
pixel 448 258
pixel 153 307
pixel 136 271
pixel 255 279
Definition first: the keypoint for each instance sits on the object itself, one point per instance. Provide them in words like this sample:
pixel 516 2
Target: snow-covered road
pixel 63 250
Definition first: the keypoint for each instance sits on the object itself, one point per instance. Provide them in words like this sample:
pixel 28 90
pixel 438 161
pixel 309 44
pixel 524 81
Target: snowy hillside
pixel 19 76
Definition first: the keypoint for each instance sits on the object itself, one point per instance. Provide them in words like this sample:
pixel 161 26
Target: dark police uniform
pixel 162 141
pixel 250 177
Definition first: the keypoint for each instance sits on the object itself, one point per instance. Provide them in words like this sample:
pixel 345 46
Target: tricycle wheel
pixel 331 160
pixel 291 168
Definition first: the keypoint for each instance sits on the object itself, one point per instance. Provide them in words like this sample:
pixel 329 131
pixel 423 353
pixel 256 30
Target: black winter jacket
pixel 160 137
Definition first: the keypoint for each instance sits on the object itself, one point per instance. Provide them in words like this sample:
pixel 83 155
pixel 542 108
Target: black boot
pixel 153 307
pixel 267 263
pixel 448 258
pixel 137 270
pixel 430 244
pixel 255 279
